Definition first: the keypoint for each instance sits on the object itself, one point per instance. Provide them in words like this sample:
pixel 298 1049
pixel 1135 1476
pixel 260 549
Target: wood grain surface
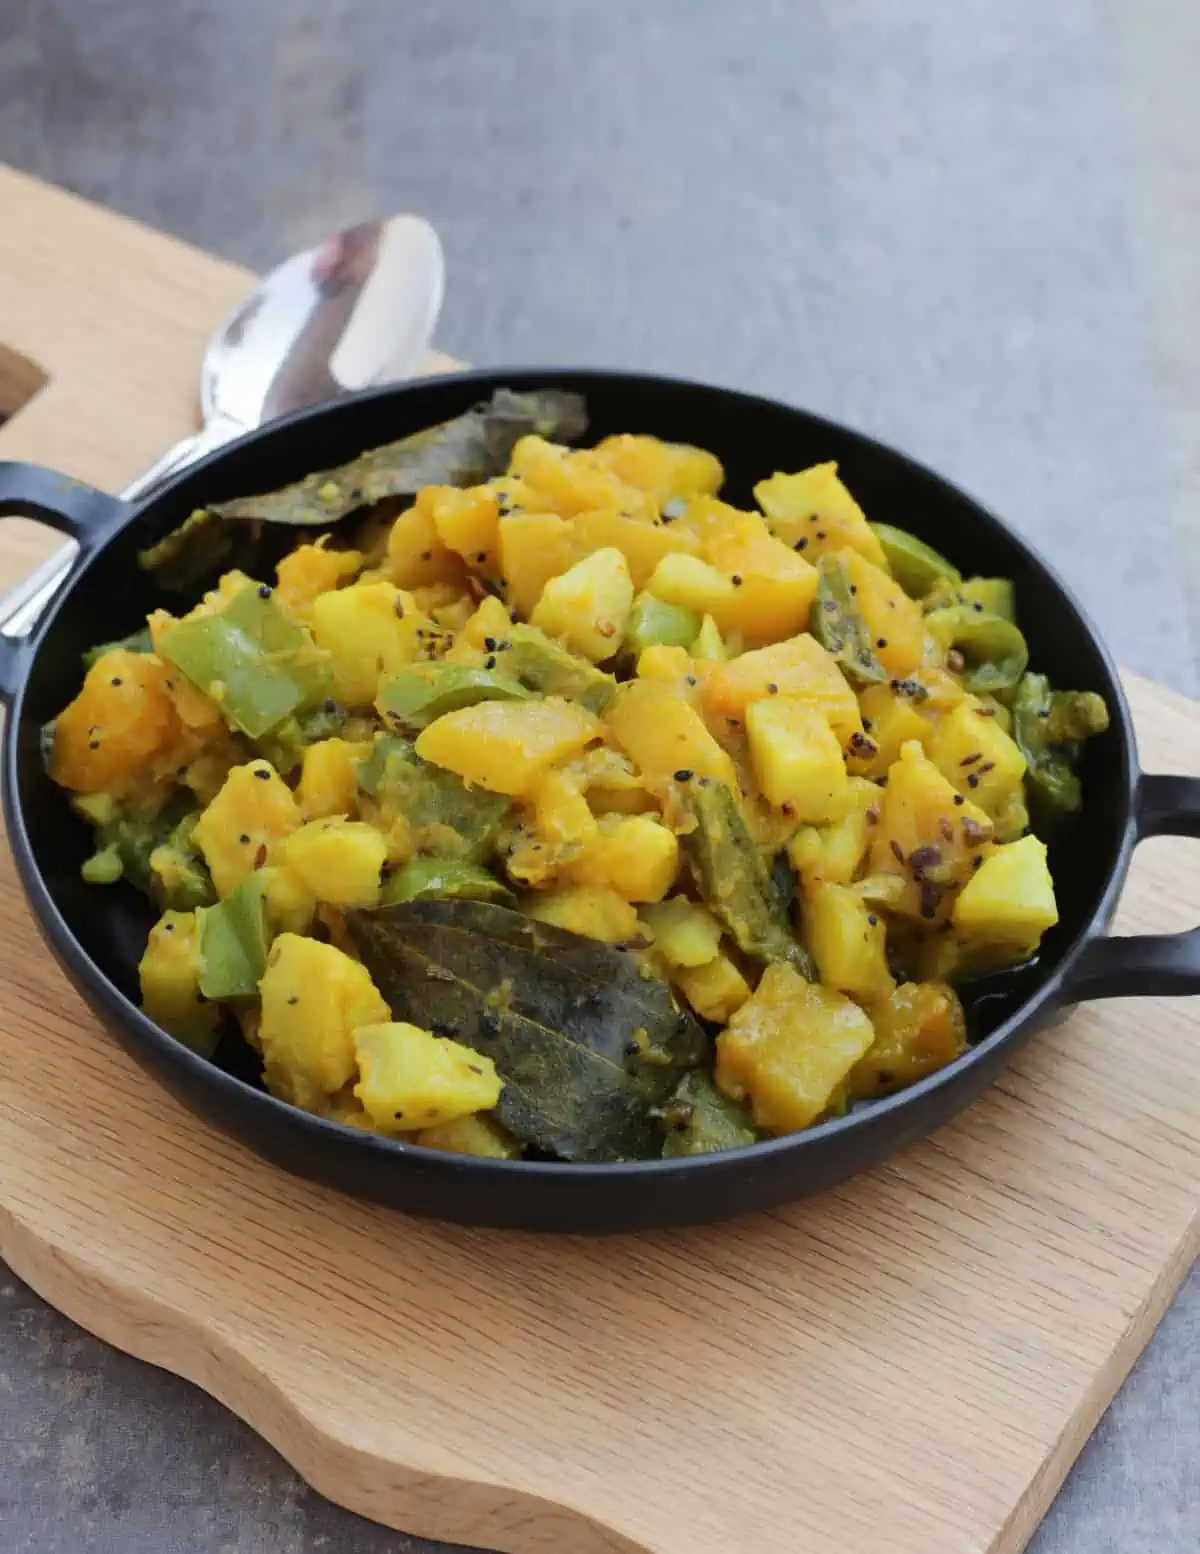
pixel 905 1365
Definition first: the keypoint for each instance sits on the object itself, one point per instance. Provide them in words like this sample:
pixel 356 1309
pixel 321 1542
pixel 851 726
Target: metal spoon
pixel 358 309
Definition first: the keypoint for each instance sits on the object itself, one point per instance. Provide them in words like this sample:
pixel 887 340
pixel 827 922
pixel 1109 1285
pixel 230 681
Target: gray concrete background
pixel 971 229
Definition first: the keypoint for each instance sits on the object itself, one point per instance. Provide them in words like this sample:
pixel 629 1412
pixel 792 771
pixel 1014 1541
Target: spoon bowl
pixel 356 311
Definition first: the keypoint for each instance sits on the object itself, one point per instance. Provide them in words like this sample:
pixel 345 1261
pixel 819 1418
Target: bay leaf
pixel 590 1048
pixel 463 451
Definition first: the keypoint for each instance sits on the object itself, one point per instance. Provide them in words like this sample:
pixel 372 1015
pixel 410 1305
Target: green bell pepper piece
pixel 734 882
pixel 550 670
pixel 699 1120
pixel 995 595
pixel 443 878
pixel 994 649
pixel 838 626
pixel 654 623
pixel 125 841
pixel 180 879
pixel 709 643
pixel 417 694
pixel 136 642
pixel 445 816
pixel 234 941
pixel 256 663
pixel 989 595
pixel 915 565
pixel 1049 727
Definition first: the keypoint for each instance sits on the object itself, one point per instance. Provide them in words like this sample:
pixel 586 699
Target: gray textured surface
pixel 970 229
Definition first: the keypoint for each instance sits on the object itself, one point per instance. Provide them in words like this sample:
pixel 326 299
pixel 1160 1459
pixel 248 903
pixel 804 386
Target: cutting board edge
pixel 1026 1516
pixel 419 1499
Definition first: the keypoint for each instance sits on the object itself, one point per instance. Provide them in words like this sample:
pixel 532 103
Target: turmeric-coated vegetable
pixel 553 802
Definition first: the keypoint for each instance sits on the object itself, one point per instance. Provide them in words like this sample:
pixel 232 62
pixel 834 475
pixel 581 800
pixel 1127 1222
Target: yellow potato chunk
pixel 834 852
pixel 369 630
pixel 797 758
pixel 507 746
pixel 978 758
pixel 114 727
pixel 562 815
pixel 310 570
pixel 534 547
pixel 169 972
pixel 588 606
pixel 815 510
pixel 716 990
pixel 663 734
pixel 489 619
pixel 890 719
pixel 468 523
pixel 338 860
pixel 635 855
pixel 239 830
pixel 684 934
pixel 416 555
pixel 642 544
pixel 847 940
pixel 928 836
pixel 788 1049
pixel 290 905
pixel 329 777
pixel 314 998
pixel 774 587
pixel 586 909
pixel 672 665
pixel 799 667
pixel 1010 899
pixel 919 1028
pixel 471 1135
pixel 611 783
pixel 410 1079
pixel 574 480
pixel 894 620
pixel 694 584
pixel 666 469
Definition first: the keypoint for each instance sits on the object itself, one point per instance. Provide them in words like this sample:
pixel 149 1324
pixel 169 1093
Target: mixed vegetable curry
pixel 518 799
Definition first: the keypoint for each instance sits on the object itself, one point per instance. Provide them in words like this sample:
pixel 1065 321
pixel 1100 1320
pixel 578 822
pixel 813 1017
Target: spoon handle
pixel 21 607
pixel 214 434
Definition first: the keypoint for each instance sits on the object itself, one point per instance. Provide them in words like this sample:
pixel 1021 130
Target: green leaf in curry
pixel 589 1045
pixel 736 884
pixel 839 627
pixel 463 451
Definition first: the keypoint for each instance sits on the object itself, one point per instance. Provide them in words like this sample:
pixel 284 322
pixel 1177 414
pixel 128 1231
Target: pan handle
pixel 1140 965
pixel 86 516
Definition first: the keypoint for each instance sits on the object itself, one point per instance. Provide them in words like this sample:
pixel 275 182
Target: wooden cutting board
pixel 906 1365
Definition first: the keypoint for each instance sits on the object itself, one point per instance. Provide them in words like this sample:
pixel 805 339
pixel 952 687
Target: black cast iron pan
pixel 98 936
